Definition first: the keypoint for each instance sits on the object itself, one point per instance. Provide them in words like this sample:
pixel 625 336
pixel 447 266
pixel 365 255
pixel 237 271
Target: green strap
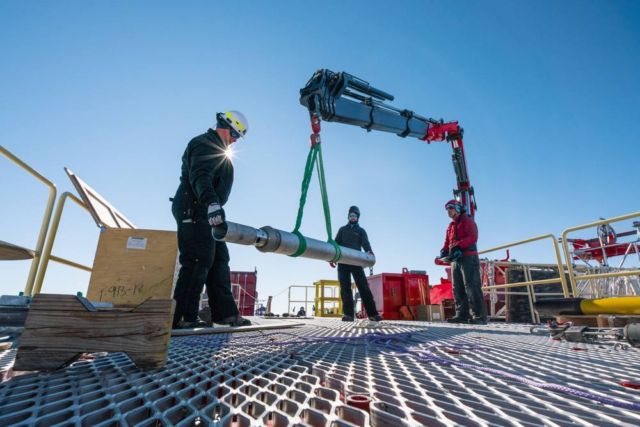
pixel 314 158
pixel 325 205
pixel 308 172
pixel 338 251
pixel 303 244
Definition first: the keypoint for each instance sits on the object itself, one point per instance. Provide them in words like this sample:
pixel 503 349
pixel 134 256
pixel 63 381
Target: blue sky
pixel 547 92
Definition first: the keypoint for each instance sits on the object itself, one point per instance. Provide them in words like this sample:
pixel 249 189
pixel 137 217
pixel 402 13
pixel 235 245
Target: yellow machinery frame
pixel 321 286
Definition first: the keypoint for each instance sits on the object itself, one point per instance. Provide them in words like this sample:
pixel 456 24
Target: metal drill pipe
pixel 269 239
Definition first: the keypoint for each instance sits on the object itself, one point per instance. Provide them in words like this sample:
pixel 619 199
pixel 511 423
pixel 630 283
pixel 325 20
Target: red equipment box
pixel 416 288
pixel 388 294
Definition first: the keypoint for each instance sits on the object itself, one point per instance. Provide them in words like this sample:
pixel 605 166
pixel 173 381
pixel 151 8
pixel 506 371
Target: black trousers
pixel 345 272
pixel 203 261
pixel 467 287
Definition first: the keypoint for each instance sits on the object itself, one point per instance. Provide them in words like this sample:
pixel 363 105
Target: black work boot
pixel 191 325
pixel 347 318
pixel 458 319
pixel 375 318
pixel 478 320
pixel 235 320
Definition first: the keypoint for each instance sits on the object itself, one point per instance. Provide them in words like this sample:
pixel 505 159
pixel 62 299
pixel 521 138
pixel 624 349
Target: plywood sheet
pixel 131 266
pixel 105 215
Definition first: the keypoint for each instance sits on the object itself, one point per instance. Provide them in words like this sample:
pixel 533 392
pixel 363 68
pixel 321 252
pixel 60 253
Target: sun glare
pixel 228 153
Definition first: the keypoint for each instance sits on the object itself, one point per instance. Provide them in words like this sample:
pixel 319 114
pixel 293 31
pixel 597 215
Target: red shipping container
pixel 416 288
pixel 245 278
pixel 243 287
pixel 388 294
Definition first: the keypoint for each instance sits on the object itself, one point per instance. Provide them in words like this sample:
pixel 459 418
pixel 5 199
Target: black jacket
pixel 207 177
pixel 353 236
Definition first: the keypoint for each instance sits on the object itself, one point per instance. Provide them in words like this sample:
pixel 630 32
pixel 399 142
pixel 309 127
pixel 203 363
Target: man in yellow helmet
pixel 205 185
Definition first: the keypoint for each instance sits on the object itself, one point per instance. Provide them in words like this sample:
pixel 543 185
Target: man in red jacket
pixel 460 249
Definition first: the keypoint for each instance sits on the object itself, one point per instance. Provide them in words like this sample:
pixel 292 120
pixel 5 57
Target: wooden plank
pixel 591 321
pixel 132 266
pixel 11 252
pixel 616 320
pixel 59 328
pixel 233 329
pixel 406 313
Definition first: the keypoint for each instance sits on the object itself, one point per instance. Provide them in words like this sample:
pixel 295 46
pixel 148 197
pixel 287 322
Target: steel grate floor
pixel 407 374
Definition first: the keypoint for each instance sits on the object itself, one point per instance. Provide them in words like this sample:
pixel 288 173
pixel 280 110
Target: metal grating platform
pixel 407 374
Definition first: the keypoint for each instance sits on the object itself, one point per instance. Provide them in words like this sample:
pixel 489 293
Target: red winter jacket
pixel 463 233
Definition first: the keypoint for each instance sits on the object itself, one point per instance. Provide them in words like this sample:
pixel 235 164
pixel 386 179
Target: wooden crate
pixel 132 266
pixel 59 328
pixel 435 312
pixel 420 312
pixel 447 309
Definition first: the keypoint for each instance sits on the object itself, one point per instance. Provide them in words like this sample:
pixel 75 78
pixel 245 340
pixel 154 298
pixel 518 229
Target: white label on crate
pixel 137 243
pixel 436 316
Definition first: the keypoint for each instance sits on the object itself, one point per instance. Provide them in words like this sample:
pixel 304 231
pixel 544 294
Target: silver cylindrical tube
pixel 269 239
pixel 632 334
pixel 240 234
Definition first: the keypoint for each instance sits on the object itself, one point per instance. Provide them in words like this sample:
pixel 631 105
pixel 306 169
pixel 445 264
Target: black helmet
pixel 355 210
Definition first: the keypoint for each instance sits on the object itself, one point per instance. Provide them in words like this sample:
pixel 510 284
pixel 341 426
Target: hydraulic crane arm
pixel 344 98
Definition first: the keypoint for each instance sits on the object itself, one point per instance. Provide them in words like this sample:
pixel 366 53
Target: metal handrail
pixel 567 253
pixel 559 264
pixel 306 297
pixel 46 254
pixel 46 218
pixel 70 263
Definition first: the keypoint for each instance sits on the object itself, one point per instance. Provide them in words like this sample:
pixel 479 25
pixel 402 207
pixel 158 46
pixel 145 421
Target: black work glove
pixel 456 253
pixel 215 214
pixel 443 253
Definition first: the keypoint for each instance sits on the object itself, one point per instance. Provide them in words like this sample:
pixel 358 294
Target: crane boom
pixel 344 98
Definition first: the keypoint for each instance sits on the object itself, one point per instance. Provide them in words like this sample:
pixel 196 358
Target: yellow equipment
pixel 580 306
pixel 334 303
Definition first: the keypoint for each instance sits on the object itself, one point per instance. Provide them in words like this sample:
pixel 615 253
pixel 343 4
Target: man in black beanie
pixel 353 236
